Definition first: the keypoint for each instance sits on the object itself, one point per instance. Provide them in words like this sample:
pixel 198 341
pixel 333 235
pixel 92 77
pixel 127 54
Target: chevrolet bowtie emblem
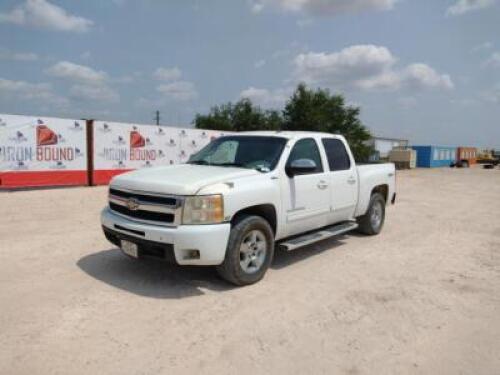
pixel 132 204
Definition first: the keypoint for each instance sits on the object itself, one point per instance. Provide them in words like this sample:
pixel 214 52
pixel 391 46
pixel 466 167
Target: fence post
pixel 89 126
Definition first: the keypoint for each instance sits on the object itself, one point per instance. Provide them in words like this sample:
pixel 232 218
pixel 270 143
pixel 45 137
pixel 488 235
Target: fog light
pixel 191 254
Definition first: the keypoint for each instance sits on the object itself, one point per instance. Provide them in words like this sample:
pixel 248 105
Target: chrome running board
pixel 320 235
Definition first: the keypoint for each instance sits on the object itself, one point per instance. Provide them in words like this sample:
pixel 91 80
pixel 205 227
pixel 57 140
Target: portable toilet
pixel 435 156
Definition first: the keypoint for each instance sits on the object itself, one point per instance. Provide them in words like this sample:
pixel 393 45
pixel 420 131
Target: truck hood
pixel 181 179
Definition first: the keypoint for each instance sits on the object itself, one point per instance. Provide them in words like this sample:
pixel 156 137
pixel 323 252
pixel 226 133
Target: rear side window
pixel 338 158
pixel 306 149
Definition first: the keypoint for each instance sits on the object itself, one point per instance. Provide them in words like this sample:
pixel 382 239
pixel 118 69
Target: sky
pixel 425 70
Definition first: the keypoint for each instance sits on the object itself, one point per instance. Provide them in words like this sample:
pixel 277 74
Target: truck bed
pixel 370 176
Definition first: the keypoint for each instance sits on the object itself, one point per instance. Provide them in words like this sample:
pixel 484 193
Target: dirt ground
pixel 423 297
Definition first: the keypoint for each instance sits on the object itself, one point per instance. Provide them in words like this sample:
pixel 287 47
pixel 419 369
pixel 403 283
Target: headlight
pixel 203 209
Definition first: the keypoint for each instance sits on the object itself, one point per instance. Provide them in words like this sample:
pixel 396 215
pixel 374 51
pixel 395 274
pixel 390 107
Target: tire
pixel 372 222
pixel 249 252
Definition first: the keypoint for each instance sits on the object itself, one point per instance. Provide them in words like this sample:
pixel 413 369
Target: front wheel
pixel 372 222
pixel 249 252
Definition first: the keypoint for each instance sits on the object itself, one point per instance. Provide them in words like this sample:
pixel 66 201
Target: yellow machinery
pixel 486 157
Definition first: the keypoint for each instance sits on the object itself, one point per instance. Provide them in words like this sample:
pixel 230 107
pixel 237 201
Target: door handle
pixel 351 180
pixel 322 185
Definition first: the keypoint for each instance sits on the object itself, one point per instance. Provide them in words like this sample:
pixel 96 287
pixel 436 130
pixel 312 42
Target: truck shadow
pixel 150 278
pixel 284 258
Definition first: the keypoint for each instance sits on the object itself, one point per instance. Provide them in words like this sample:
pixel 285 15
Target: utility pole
pixel 157 118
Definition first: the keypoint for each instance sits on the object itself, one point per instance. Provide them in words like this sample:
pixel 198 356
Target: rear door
pixel 343 179
pixel 306 196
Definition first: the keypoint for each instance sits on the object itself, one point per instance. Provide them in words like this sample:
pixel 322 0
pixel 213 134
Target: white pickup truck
pixel 243 194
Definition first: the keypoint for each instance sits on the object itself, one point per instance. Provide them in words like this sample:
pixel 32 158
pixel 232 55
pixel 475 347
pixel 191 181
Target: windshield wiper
pixel 238 165
pixel 199 162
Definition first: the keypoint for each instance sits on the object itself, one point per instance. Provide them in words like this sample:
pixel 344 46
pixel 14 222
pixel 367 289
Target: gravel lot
pixel 423 297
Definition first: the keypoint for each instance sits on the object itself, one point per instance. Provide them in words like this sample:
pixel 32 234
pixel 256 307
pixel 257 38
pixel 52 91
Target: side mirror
pixel 300 166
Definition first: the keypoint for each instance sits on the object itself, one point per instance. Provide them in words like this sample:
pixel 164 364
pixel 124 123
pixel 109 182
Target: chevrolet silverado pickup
pixel 244 194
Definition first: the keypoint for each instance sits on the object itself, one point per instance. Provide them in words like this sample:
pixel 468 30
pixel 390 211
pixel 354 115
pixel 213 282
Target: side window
pixel 306 149
pixel 338 158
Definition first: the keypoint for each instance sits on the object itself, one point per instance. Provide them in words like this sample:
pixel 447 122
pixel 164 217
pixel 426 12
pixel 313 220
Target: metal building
pixel 435 156
pixel 383 146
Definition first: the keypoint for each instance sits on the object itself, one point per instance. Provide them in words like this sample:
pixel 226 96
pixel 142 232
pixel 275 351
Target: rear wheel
pixel 372 222
pixel 249 252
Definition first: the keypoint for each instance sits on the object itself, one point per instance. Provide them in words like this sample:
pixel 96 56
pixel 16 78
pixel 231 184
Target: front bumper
pixel 209 240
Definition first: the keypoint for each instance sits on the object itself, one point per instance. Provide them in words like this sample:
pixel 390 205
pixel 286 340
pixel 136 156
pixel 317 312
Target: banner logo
pixel 136 139
pixel 45 136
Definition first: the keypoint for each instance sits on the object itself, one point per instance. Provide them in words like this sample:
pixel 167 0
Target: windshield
pixel 252 152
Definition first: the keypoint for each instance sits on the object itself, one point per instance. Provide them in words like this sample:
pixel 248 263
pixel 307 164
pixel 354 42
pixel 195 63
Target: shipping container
pixel 467 156
pixel 435 156
pixel 403 158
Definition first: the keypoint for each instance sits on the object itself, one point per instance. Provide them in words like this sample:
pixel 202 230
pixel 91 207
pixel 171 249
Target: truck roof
pixel 288 134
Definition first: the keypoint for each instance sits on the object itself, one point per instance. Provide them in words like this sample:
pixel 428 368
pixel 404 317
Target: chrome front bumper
pixel 209 240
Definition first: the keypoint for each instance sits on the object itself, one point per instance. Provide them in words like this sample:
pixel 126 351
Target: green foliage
pixel 318 110
pixel 307 110
pixel 241 116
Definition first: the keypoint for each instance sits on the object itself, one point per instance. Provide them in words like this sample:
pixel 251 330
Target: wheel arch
pixel 267 211
pixel 382 189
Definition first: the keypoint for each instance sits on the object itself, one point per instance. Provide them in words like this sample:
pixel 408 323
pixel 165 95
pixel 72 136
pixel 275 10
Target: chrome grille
pixel 146 207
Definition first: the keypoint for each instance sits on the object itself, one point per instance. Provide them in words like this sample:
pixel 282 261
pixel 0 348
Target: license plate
pixel 130 248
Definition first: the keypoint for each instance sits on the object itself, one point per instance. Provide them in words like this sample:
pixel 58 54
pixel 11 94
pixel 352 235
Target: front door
pixel 307 196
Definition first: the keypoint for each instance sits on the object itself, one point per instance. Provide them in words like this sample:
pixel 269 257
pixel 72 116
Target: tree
pixel 242 116
pixel 307 109
pixel 318 110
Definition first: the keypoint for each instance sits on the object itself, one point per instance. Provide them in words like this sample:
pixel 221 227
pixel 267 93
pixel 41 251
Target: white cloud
pixel 483 46
pixel 168 74
pixel 349 64
pixel 257 7
pixel 421 76
pixel 389 81
pixel 324 7
pixel 75 72
pixel 179 90
pixel 45 15
pixel 88 84
pixel 6 54
pixel 493 60
pixel 41 92
pixel 366 67
pixel 98 93
pixel 259 63
pixel 465 6
pixel 266 98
